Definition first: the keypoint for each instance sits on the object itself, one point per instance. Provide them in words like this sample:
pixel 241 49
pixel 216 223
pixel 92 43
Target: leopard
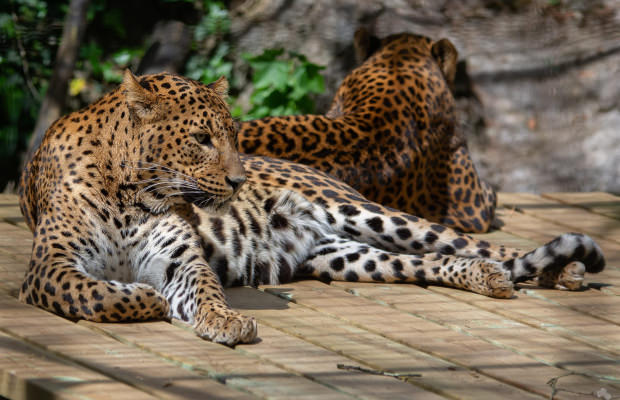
pixel 391 133
pixel 142 208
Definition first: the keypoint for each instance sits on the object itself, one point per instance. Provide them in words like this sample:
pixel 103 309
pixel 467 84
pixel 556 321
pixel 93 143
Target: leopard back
pixel 390 133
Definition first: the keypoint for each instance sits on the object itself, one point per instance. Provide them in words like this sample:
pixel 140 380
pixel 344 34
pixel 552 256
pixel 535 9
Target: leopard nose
pixel 235 182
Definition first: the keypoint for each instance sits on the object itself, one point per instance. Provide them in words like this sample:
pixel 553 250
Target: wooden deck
pixel 429 343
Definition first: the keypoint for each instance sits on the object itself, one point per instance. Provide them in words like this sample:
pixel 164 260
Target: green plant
pixel 29 31
pixel 283 83
pixel 215 21
pixel 209 69
pixel 210 58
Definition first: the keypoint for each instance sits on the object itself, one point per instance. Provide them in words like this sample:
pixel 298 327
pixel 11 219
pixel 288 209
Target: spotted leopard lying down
pixel 140 210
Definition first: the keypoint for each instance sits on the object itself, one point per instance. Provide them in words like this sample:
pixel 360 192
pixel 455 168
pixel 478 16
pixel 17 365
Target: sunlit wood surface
pixel 429 343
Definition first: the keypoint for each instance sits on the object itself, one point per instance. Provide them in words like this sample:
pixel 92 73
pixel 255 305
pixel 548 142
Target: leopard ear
pixel 142 103
pixel 365 44
pixel 220 86
pixel 445 54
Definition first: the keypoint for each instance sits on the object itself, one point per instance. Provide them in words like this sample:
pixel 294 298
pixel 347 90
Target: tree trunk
pixel 54 100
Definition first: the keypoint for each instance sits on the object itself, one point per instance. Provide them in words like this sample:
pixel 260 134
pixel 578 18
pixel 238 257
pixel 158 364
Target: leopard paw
pixel 499 286
pixel 218 323
pixel 492 281
pixel 568 278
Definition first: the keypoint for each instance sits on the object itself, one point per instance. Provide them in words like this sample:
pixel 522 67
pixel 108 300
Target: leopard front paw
pixel 220 324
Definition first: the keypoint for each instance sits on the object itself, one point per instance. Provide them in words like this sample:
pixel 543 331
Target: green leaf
pixel 122 58
pixel 282 83
pixel 271 74
pixel 304 105
pixel 7 26
pixel 268 55
pixel 111 74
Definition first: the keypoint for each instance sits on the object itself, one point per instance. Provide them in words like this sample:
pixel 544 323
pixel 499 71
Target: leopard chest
pixel 130 247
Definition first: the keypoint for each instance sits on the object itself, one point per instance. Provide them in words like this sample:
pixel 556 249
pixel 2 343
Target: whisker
pixel 171 184
pixel 159 168
pixel 181 193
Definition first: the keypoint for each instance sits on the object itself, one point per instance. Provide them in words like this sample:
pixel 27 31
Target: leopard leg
pixel 348 260
pixel 469 202
pixel 399 232
pixel 172 260
pixel 56 281
pixel 197 297
pixel 569 278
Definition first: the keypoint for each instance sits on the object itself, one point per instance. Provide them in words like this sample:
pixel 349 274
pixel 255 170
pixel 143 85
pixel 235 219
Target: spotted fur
pixel 139 210
pixel 390 134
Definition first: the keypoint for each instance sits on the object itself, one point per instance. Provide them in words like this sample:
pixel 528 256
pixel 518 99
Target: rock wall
pixel 541 104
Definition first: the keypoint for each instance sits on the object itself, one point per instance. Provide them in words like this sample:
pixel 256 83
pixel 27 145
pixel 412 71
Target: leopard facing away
pixel 141 208
pixel 390 134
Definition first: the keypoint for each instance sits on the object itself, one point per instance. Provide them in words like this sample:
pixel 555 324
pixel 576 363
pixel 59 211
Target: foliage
pixel 30 31
pixel 283 83
pixel 215 21
pixel 209 69
pixel 207 64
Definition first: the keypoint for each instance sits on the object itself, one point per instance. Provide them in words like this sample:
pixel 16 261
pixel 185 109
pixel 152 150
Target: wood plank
pixel 15 240
pixel 464 345
pixel 10 212
pixel 574 218
pixel 508 239
pixel 389 339
pixel 13 260
pixel 540 314
pixel 510 334
pixel 7 198
pixel 29 373
pixel 238 369
pixel 607 282
pixel 598 202
pixel 542 231
pixel 589 302
pixel 320 364
pixel 375 316
pixel 107 356
pixel 12 269
pixel 360 347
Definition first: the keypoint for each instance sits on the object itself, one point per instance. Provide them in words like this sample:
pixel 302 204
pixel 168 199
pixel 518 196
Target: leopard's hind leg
pixel 344 259
pixel 560 263
pixel 55 282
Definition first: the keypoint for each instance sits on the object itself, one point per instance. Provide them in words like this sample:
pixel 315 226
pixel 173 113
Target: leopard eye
pixel 203 138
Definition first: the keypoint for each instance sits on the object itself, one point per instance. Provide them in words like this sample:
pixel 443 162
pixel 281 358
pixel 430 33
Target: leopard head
pixel 404 45
pixel 185 141
pixel 415 75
